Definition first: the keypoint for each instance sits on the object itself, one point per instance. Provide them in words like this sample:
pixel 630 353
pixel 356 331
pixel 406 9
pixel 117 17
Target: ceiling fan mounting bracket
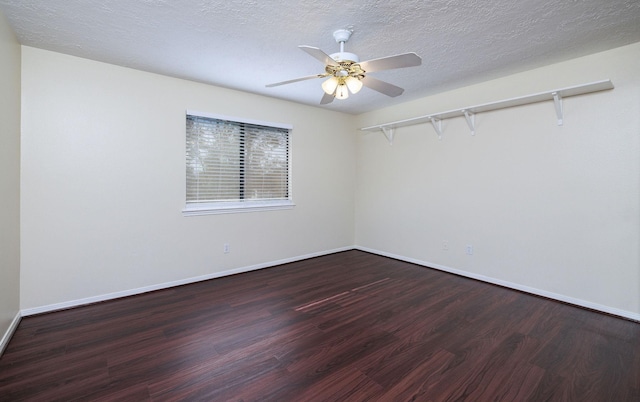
pixel 342 35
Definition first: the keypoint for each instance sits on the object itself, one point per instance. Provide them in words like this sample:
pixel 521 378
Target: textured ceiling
pixel 246 44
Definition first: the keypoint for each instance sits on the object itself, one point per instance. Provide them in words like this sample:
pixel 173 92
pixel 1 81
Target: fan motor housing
pixel 345 56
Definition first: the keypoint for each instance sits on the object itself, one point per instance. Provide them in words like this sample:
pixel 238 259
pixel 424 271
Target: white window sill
pixel 235 207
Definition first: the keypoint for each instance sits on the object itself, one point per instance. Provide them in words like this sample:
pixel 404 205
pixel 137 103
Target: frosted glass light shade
pixel 342 92
pixel 354 84
pixel 329 86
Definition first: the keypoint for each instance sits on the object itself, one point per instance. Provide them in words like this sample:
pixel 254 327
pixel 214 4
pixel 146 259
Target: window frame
pixel 225 207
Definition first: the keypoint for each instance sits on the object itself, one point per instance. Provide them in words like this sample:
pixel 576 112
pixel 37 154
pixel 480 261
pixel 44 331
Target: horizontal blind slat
pixel 229 161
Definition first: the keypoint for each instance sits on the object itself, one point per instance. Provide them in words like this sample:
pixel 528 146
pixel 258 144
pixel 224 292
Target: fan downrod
pixel 342 36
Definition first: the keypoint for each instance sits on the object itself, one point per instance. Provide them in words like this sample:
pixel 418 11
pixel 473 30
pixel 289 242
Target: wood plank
pixel 346 326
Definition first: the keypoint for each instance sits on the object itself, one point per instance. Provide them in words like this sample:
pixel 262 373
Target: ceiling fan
pixel 346 72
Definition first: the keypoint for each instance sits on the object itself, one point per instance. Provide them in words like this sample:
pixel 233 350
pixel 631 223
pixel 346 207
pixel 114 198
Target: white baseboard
pixel 131 292
pixel 565 299
pixel 9 333
pixel 79 302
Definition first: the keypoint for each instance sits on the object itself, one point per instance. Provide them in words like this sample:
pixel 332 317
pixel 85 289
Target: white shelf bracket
pixel 557 100
pixel 469 112
pixel 389 133
pixel 437 125
pixel 471 121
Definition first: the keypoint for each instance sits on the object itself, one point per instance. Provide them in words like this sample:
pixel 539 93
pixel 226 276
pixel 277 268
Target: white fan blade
pixel 387 63
pixel 382 87
pixel 319 54
pixel 326 99
pixel 309 77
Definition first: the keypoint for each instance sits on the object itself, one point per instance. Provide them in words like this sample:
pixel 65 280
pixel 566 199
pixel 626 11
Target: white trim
pixel 79 302
pixel 4 342
pixel 566 299
pixel 285 126
pixel 212 208
pixel 145 289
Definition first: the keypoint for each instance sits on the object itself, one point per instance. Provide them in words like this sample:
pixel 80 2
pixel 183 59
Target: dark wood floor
pixel 348 326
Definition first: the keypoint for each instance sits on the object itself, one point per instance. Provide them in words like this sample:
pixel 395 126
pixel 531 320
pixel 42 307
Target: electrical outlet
pixel 226 248
pixel 468 249
pixel 445 245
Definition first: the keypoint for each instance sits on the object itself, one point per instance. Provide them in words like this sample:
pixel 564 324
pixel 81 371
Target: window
pixel 236 165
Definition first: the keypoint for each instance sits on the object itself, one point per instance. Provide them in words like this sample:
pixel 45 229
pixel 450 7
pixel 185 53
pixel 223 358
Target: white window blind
pixel 235 164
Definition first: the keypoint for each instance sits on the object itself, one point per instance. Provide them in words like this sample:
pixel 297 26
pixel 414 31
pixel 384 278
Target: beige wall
pixel 9 178
pixel 548 209
pixel 103 181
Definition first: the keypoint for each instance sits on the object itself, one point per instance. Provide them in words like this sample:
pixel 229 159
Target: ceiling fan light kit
pixel 342 92
pixel 341 86
pixel 354 84
pixel 330 85
pixel 347 74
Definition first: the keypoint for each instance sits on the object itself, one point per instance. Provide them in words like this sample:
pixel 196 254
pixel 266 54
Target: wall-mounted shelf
pixel 469 112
